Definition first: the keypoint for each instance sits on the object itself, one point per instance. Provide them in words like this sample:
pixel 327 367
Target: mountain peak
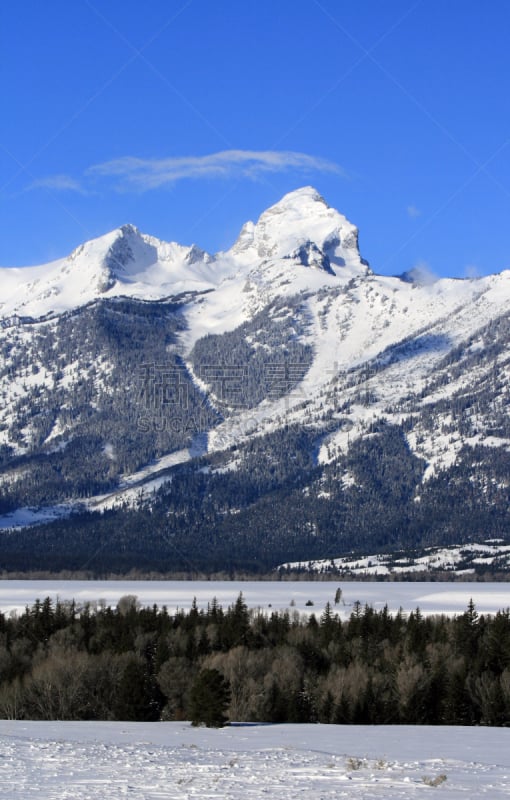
pixel 299 231
pixel 305 194
pixel 301 219
pixel 129 230
pixel 129 252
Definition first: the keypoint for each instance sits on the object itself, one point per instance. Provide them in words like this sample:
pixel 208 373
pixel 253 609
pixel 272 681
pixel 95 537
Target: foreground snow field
pixel 146 761
pixel 431 597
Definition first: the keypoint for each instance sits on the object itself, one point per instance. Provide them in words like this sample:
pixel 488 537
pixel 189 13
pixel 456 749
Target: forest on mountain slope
pixel 278 505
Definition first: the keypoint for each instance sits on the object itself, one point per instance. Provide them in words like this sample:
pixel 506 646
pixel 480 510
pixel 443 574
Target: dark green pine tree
pixel 137 695
pixel 209 699
pixel 239 616
pixel 342 714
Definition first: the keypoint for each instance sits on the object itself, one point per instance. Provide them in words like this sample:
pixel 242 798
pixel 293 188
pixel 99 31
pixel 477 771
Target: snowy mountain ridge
pixel 300 228
pixel 132 357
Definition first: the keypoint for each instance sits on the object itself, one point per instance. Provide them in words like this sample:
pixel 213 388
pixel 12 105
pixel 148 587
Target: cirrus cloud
pixel 59 183
pixel 146 174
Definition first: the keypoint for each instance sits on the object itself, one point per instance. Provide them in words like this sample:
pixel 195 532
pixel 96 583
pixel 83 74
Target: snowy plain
pixel 431 597
pixel 151 761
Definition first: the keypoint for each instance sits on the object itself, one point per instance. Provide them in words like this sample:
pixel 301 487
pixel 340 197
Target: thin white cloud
pixel 413 212
pixel 422 274
pixel 145 174
pixel 471 271
pixel 60 183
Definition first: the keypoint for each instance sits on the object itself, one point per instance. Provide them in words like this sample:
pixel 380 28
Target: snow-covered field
pixel 151 761
pixel 445 558
pixel 430 597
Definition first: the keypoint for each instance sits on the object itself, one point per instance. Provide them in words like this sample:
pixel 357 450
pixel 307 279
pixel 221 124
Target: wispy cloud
pixel 145 174
pixel 60 183
pixel 471 271
pixel 413 212
pixel 422 274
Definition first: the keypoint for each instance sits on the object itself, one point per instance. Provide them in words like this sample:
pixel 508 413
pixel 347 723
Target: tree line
pixel 58 662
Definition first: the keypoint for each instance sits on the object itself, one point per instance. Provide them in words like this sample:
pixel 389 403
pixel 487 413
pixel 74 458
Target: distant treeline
pixel 61 662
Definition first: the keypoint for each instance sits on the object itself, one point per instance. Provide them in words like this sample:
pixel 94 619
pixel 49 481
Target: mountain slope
pixel 279 388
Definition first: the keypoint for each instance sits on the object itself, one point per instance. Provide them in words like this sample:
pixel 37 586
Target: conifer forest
pixel 62 662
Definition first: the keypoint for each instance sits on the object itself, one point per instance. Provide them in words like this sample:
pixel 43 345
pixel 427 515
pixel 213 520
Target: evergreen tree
pixel 138 697
pixel 209 700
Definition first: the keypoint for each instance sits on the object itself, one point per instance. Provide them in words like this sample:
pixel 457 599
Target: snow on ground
pixel 137 485
pixel 150 761
pixel 25 517
pixel 431 597
pixel 445 558
pixel 132 488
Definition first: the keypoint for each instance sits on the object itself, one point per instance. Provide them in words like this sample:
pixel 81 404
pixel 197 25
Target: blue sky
pixel 189 117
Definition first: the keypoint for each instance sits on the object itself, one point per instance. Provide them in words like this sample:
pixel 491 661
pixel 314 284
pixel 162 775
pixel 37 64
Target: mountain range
pixel 167 409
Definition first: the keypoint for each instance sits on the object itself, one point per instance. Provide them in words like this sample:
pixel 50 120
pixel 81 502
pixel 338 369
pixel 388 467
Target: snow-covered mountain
pixel 301 230
pixel 132 356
